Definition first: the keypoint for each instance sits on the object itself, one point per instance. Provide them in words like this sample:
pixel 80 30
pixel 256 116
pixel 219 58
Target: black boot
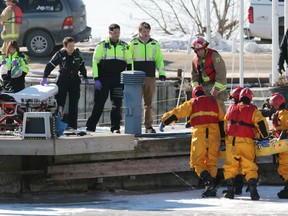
pixel 229 193
pixel 239 182
pixel 253 189
pixel 283 194
pixel 210 190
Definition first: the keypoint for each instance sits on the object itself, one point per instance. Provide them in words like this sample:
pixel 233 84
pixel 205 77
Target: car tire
pixel 39 43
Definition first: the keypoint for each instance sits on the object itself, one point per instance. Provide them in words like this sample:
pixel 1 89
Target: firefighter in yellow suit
pixel 280 127
pixel 11 19
pixel 242 121
pixel 206 118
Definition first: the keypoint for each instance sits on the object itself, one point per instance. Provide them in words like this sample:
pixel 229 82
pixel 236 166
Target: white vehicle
pixel 260 19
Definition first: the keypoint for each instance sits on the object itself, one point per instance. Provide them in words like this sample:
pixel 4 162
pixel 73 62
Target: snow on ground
pixel 179 42
pixel 124 203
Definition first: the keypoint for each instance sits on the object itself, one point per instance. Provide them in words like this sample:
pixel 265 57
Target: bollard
pixel 133 81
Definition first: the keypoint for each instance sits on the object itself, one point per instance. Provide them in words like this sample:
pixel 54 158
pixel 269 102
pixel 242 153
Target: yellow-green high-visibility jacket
pixel 147 56
pixel 110 60
pixel 21 58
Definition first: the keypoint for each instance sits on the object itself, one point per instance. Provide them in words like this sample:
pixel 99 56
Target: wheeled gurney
pixel 35 98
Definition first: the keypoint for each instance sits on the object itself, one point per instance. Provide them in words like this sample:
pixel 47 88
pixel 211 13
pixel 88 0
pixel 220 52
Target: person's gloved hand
pixel 264 143
pixel 161 127
pixel 3 62
pixel 222 145
pixel 44 81
pixel 14 62
pixel 97 85
pixel 162 78
pixel 281 69
pixel 86 81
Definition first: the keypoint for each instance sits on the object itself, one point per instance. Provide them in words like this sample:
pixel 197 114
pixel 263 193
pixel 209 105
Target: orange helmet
pixel 276 100
pixel 246 92
pixel 196 89
pixel 199 43
pixel 236 93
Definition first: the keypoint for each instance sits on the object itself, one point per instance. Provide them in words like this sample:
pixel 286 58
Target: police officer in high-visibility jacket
pixel 209 70
pixel 206 118
pixel 280 127
pixel 147 57
pixel 242 121
pixel 111 57
pixel 11 19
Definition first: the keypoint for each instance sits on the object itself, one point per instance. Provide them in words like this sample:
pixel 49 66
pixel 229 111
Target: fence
pixel 164 100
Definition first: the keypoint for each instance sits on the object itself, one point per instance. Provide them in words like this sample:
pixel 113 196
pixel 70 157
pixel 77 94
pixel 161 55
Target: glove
pixel 264 143
pixel 3 62
pixel 161 127
pixel 97 85
pixel 14 62
pixel 222 145
pixel 86 81
pixel 44 81
pixel 162 78
pixel 280 69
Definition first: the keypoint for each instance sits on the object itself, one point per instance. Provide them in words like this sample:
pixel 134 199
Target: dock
pixel 103 160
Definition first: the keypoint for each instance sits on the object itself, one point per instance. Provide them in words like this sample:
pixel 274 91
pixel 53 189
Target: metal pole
pixel 208 20
pixel 275 41
pixel 285 16
pixel 241 53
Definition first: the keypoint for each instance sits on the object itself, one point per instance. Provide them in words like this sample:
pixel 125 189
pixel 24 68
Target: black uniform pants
pixel 112 85
pixel 70 85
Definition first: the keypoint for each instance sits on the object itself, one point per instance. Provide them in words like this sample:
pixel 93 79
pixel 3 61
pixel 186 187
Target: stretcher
pixel 275 146
pixel 35 95
pixel 35 98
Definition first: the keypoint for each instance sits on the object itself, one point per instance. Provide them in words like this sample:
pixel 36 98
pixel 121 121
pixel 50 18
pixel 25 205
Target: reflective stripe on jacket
pixel 147 56
pixel 204 111
pixel 208 68
pixel 11 18
pixel 111 60
pixel 17 18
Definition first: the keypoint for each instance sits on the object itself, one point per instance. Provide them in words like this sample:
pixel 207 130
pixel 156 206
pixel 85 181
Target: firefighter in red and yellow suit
pixel 280 126
pixel 209 70
pixel 206 118
pixel 11 19
pixel 242 121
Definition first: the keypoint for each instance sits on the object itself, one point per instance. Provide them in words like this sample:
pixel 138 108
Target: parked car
pixel 260 19
pixel 47 22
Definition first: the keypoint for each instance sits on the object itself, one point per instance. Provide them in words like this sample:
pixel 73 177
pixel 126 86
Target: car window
pixel 76 5
pixel 44 6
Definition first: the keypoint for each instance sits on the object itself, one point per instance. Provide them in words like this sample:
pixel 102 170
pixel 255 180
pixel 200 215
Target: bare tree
pixel 189 16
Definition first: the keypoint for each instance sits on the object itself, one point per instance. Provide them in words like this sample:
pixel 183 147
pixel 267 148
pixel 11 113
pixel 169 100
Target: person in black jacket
pixel 283 56
pixel 70 62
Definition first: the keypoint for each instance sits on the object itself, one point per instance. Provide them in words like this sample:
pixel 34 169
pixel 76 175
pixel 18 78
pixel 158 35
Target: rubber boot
pixel 229 193
pixel 239 182
pixel 283 194
pixel 210 190
pixel 253 189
